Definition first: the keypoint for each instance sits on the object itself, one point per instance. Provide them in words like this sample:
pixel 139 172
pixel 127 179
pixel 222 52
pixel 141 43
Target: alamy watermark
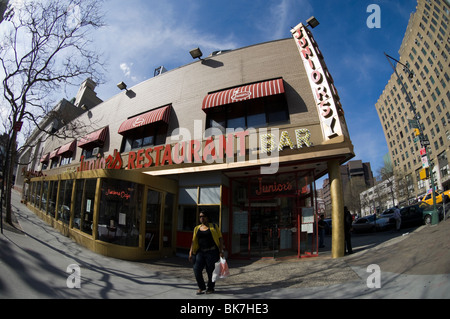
pixel 374 279
pixel 74 280
pixel 374 19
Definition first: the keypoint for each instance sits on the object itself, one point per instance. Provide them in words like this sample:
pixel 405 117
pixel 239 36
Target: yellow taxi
pixel 439 195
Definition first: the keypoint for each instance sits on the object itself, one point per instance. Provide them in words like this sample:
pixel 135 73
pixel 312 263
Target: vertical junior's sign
pixel 324 92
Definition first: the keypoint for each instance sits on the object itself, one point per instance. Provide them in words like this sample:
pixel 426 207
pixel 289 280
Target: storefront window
pixel 209 195
pixel 79 190
pixel 192 200
pixel 64 201
pixel 51 208
pixel 187 218
pixel 31 192
pixel 44 196
pixel 84 204
pixel 38 194
pixel 152 226
pixel 273 215
pixel 213 212
pixel 120 212
pixel 168 220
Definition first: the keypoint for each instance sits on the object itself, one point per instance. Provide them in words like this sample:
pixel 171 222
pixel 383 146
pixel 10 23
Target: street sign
pixel 425 162
pixel 423 151
pixel 424 142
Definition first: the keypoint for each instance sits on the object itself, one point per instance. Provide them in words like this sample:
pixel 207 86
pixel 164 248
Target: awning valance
pixel 98 138
pixel 54 154
pixel 242 93
pixel 158 115
pixel 69 147
pixel 45 158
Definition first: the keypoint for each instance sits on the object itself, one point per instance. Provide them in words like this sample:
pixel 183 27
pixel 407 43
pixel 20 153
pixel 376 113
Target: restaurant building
pixel 241 134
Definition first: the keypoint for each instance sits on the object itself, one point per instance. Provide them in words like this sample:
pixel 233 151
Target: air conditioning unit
pixel 159 70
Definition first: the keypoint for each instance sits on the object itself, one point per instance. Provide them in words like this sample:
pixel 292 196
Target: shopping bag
pixel 224 271
pixel 216 272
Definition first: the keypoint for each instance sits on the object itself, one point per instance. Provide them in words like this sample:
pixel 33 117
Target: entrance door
pixel 264 236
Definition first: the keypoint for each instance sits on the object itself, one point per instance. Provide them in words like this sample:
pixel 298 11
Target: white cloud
pixel 146 35
pixel 126 69
pixel 282 16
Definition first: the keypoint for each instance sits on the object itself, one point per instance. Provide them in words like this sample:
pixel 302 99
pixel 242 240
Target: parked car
pixel 417 214
pixel 370 223
pixel 428 199
pixel 388 213
pixel 428 210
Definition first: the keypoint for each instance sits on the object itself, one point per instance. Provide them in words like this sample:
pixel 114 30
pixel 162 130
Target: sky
pixel 142 35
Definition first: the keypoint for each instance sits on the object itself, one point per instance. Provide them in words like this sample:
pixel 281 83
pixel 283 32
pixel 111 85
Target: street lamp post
pixel 435 218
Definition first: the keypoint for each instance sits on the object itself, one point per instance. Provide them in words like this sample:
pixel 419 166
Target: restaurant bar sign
pixel 323 89
pixel 227 148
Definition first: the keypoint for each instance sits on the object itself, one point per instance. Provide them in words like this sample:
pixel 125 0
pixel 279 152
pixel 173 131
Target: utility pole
pixel 423 141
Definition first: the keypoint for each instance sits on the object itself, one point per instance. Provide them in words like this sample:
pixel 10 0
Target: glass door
pixel 264 225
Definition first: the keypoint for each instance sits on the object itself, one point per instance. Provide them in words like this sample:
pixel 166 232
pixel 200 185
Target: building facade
pixel 425 51
pixel 242 135
pixel 356 177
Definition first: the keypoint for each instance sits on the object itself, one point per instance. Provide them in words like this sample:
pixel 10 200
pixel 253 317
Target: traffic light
pixel 423 174
pixel 416 132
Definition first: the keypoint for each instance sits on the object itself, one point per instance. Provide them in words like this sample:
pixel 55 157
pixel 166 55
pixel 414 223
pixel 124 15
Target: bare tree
pixel 46 45
pixel 352 190
pixel 385 173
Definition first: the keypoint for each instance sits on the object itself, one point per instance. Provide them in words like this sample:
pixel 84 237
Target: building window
pixel 149 135
pixel 84 204
pixel 120 212
pixel 65 200
pixel 51 207
pixel 253 113
pixel 192 200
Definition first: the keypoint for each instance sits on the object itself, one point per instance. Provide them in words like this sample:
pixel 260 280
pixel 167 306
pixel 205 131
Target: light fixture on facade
pixel 122 86
pixel 312 22
pixel 196 53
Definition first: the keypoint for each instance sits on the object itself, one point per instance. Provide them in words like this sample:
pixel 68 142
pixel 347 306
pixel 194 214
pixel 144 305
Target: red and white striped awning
pixel 68 148
pixel 45 158
pixel 98 137
pixel 161 114
pixel 54 153
pixel 242 93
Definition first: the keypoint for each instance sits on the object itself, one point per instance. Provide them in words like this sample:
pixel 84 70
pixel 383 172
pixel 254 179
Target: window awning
pixel 159 115
pixel 54 154
pixel 45 158
pixel 95 138
pixel 242 93
pixel 69 147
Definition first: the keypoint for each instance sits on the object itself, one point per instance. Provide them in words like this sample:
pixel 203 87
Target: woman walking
pixel 206 248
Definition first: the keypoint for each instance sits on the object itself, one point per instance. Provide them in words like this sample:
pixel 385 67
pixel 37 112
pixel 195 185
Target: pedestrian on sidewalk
pixel 206 250
pixel 397 217
pixel 321 225
pixel 348 220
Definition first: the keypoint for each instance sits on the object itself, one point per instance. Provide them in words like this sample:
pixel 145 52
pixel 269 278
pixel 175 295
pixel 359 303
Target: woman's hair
pixel 205 213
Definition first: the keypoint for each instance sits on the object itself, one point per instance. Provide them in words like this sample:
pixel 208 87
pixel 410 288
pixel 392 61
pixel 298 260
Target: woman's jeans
pixel 206 259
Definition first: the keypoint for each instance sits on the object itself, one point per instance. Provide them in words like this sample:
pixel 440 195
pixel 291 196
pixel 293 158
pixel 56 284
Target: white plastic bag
pixel 224 271
pixel 216 272
pixel 220 270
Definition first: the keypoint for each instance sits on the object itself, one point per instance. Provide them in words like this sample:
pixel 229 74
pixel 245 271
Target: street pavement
pixel 411 264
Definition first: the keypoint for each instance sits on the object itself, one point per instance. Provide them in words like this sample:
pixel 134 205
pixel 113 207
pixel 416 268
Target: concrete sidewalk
pixel 34 261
